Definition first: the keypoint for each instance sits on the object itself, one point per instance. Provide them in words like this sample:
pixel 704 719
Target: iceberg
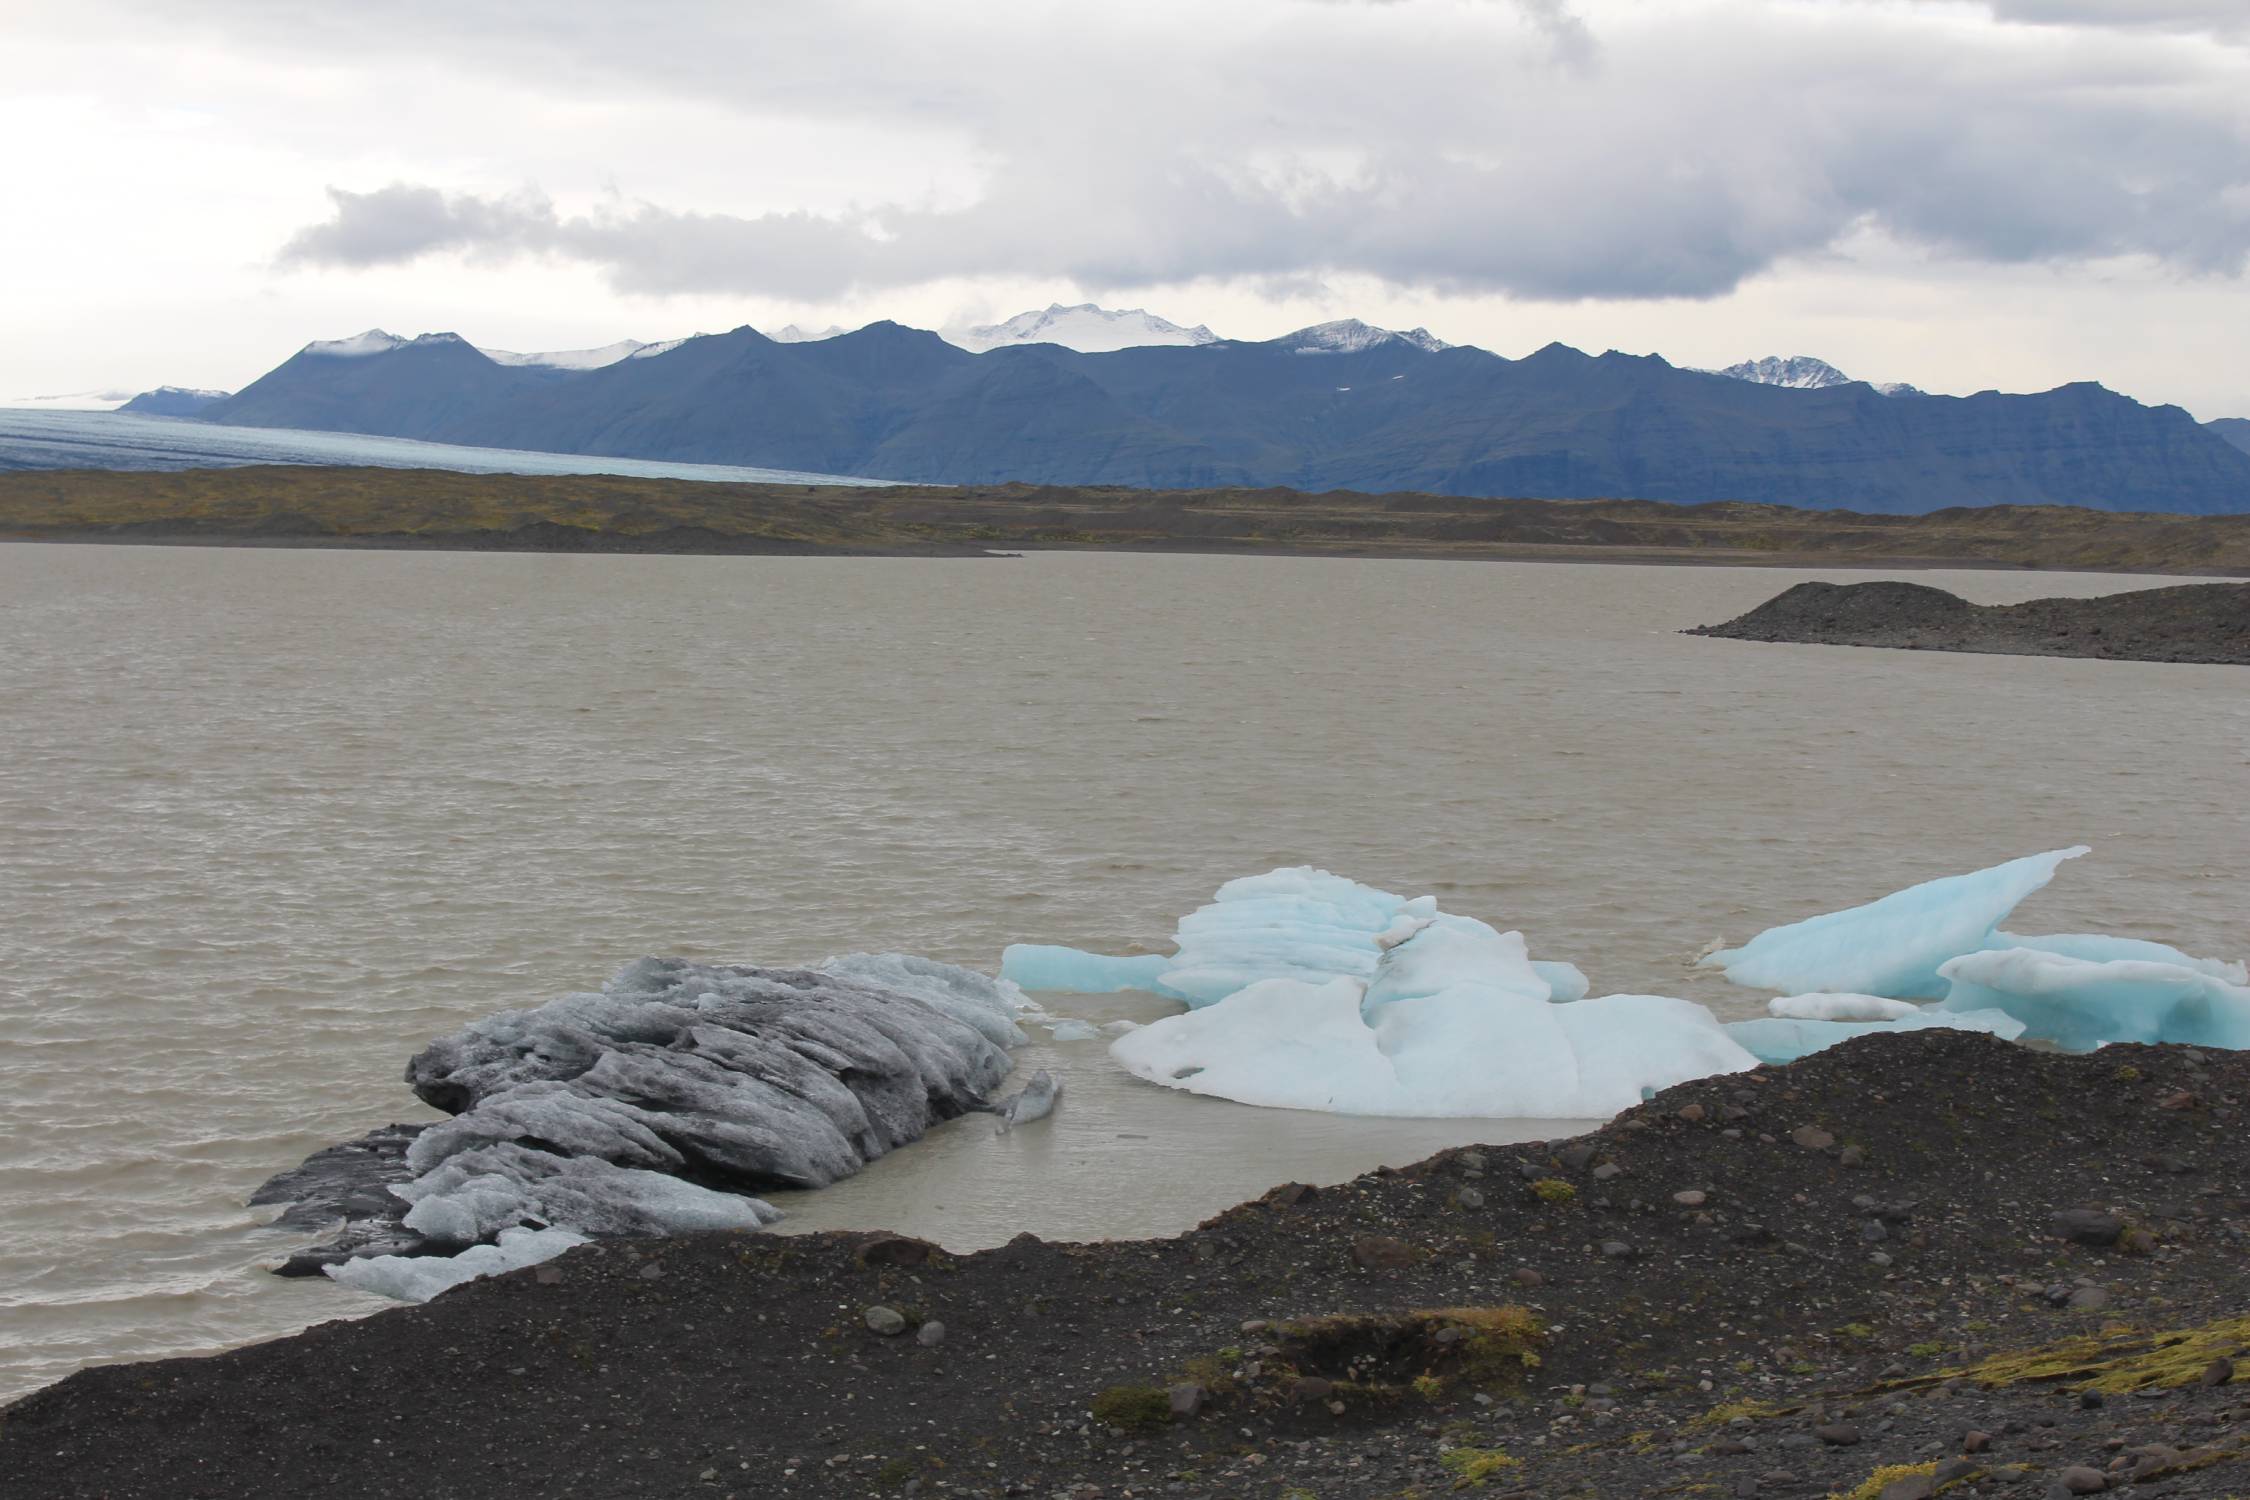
pixel 2079 1004
pixel 1893 947
pixel 661 1104
pixel 1297 923
pixel 418 1278
pixel 1454 1021
pixel 1833 1007
pixel 1039 966
pixel 1781 1039
pixel 2100 948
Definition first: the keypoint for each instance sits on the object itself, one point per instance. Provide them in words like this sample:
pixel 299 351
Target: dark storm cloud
pixel 1531 148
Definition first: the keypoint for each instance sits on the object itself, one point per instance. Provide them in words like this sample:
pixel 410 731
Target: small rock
pixel 1837 1434
pixel 1608 1171
pixel 2080 1480
pixel 653 1271
pixel 2089 1226
pixel 1577 1158
pixel 1975 1442
pixel 1313 1388
pixel 1953 1469
pixel 1873 1232
pixel 1692 1198
pixel 887 1321
pixel 1187 1400
pixel 2183 1099
pixel 548 1275
pixel 1469 1198
pixel 1852 1156
pixel 1526 1276
pixel 1912 1487
pixel 2136 1242
pixel 1691 1113
pixel 2087 1299
pixel 1618 1250
pixel 930 1334
pixel 2091 1400
pixel 1290 1194
pixel 1812 1138
pixel 2219 1372
pixel 1471 1160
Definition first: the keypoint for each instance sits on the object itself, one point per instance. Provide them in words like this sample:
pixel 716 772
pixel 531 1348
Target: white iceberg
pixel 1454 1021
pixel 1041 966
pixel 1782 1039
pixel 2079 1004
pixel 418 1278
pixel 1834 1007
pixel 1892 947
pixel 2096 947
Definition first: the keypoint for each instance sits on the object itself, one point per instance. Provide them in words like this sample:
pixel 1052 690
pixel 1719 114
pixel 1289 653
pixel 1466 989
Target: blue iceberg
pixel 1298 923
pixel 2080 1004
pixel 1892 947
pixel 1784 1039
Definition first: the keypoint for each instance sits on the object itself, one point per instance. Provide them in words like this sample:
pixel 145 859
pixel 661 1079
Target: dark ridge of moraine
pixel 2207 623
pixel 1778 1283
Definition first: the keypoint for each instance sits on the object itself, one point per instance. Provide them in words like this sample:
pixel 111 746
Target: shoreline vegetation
pixel 1908 1265
pixel 311 506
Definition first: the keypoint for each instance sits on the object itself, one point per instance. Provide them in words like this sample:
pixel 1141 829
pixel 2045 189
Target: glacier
pixel 2079 1004
pixel 661 1104
pixel 1891 947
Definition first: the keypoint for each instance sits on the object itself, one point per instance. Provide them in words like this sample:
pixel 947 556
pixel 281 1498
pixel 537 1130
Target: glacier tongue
pixel 1891 947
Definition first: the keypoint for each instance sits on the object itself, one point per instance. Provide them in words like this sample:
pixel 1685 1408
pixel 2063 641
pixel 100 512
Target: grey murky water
pixel 271 820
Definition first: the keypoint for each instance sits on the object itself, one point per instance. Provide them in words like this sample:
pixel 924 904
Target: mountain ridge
pixel 1377 410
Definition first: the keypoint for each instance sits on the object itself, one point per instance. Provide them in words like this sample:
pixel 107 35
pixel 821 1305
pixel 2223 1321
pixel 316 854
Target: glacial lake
pixel 271 820
pixel 31 439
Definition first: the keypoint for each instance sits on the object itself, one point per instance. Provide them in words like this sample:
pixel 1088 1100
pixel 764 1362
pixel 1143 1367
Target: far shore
pixel 432 510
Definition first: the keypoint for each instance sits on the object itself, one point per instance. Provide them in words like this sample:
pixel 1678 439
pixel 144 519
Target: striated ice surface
pixel 1777 1039
pixel 1453 1021
pixel 1832 1007
pixel 2080 1004
pixel 418 1278
pixel 990 1005
pixel 478 1194
pixel 1891 947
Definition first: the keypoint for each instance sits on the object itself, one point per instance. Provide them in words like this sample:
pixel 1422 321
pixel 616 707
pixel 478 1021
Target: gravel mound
pixel 2197 622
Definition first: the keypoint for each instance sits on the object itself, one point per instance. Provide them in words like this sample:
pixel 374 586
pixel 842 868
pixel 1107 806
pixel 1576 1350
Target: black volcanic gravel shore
pixel 2200 622
pixel 1807 1281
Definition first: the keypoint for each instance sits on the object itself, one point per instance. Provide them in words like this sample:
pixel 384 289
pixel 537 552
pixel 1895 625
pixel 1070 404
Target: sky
pixel 2004 194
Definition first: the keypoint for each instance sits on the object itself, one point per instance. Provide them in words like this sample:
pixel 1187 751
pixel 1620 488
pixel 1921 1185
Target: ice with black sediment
pixel 660 1104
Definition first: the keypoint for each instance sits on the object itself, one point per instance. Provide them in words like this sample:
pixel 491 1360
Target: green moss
pixel 1471 1467
pixel 2116 1361
pixel 1554 1190
pixel 1872 1487
pixel 1133 1408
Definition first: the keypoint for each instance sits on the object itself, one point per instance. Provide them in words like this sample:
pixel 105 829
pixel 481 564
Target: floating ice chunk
pixel 2080 1005
pixel 1298 923
pixel 477 1194
pixel 1832 1007
pixel 1039 966
pixel 1072 1029
pixel 418 1278
pixel 1456 1023
pixel 1564 981
pixel 1034 1101
pixel 1891 947
pixel 2097 947
pixel 1778 1039
pixel 990 1005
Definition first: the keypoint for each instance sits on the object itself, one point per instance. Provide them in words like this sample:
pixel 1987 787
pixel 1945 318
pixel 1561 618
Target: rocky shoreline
pixel 1913 1264
pixel 2206 623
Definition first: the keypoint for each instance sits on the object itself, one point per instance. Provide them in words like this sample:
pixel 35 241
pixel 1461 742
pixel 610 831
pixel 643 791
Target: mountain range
pixel 1341 405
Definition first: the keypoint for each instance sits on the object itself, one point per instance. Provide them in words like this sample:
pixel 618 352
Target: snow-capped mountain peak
pixel 1802 372
pixel 1086 328
pixel 792 334
pixel 359 345
pixel 1350 336
pixel 569 359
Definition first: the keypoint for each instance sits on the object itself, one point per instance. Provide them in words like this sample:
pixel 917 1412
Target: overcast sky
pixel 1964 195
